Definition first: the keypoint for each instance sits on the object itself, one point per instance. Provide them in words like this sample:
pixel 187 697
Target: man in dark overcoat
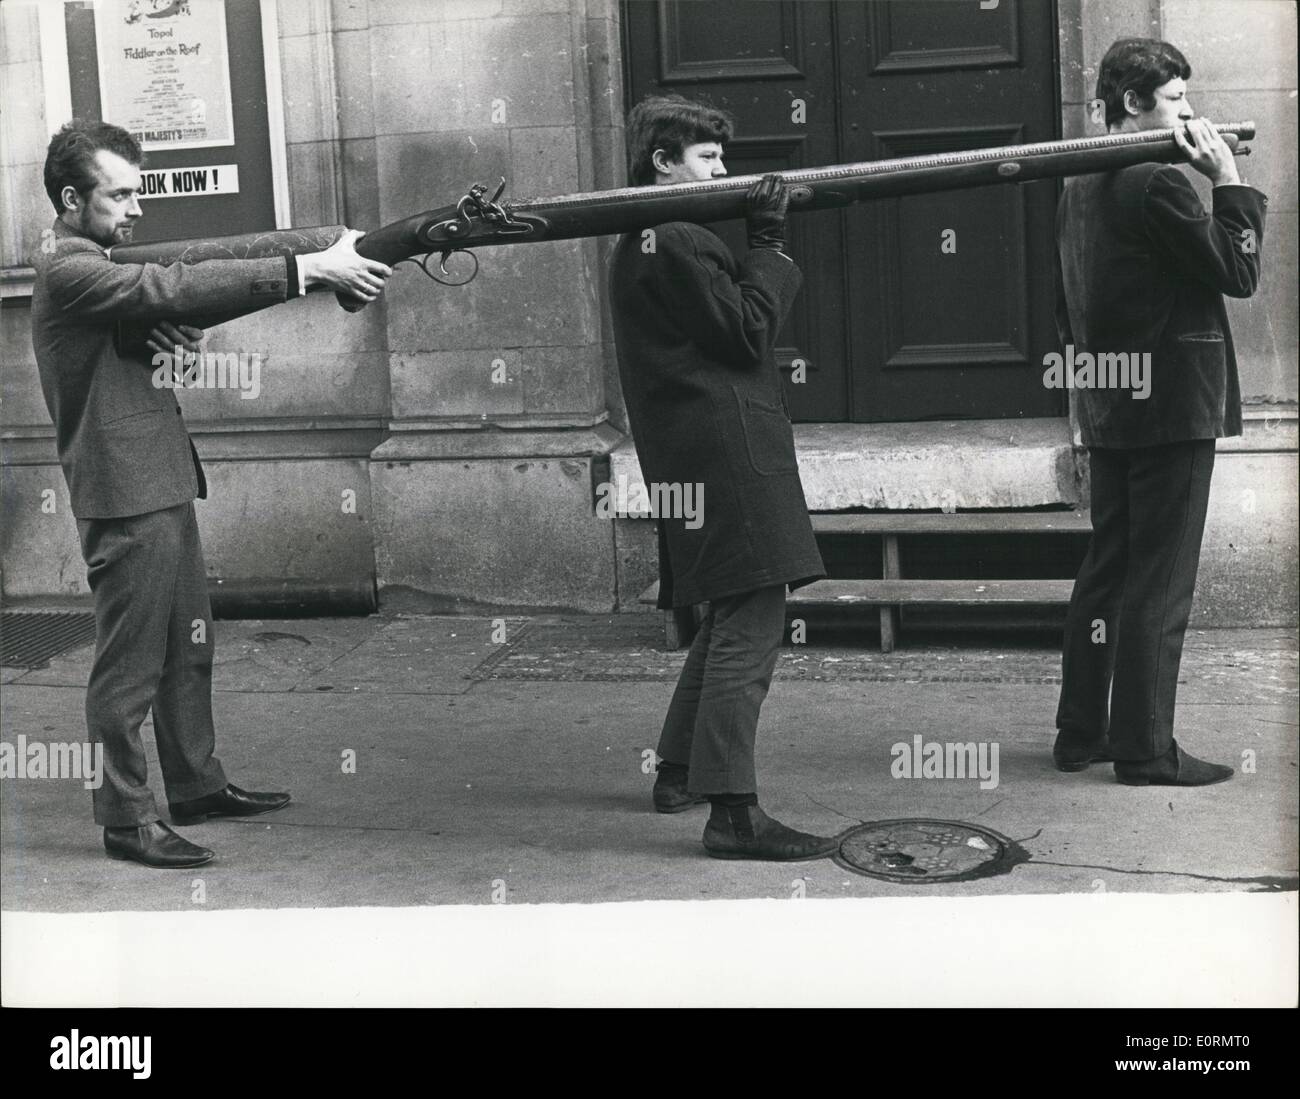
pixel 1144 267
pixel 695 332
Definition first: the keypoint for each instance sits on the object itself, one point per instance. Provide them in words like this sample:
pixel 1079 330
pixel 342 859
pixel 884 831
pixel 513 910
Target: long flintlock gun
pixel 478 221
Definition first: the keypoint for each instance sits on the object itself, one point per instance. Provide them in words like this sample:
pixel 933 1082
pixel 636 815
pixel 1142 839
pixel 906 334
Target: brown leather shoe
pixel 1174 768
pixel 154 845
pixel 670 793
pixel 746 832
pixel 1072 753
pixel 230 802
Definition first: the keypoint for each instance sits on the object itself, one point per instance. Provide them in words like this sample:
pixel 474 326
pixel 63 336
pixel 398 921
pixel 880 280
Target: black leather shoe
pixel 1071 753
pixel 746 832
pixel 154 845
pixel 230 802
pixel 1174 768
pixel 670 793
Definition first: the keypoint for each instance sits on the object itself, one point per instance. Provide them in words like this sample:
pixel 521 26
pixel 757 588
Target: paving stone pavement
pixel 514 750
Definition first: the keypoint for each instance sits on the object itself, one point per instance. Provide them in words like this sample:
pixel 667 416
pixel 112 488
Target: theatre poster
pixel 164 71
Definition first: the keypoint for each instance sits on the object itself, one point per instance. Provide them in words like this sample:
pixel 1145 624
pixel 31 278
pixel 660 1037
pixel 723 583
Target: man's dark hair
pixel 70 159
pixel 670 123
pixel 1140 65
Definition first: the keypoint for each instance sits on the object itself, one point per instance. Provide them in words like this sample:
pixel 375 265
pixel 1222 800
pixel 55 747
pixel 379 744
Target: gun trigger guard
pixel 442 266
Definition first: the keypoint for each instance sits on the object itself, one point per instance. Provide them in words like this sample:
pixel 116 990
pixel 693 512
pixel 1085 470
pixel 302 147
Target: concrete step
pixel 874 593
pixel 974 522
pixel 961 465
pixel 928 592
pixel 893 591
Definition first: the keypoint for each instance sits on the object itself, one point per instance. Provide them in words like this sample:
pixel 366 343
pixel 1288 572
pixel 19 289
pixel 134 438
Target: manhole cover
pixel 916 852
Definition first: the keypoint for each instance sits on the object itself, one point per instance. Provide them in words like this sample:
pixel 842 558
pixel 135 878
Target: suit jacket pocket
pixel 1201 337
pixel 144 422
pixel 769 439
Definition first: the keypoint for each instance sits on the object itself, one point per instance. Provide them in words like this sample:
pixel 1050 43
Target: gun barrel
pixel 474 223
pixel 629 208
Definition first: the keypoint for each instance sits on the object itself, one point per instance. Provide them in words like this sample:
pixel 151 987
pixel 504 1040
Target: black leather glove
pixel 765 206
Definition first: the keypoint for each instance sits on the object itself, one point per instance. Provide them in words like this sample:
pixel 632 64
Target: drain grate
pixel 916 852
pixel 29 639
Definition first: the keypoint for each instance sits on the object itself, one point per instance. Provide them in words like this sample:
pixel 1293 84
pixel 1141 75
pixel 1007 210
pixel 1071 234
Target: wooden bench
pixel 893 591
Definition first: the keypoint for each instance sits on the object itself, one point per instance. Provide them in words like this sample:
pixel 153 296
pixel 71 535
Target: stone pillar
pixel 483 490
pixel 38 536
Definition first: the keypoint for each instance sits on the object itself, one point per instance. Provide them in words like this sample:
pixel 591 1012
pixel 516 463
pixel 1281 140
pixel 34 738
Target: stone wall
pixel 1243 58
pixel 491 396
pixel 483 491
pixel 441 448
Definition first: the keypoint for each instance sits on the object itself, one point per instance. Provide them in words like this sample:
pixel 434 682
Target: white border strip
pixel 1078 950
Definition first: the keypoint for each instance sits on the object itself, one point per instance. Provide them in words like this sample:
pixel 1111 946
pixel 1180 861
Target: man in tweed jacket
pixel 133 475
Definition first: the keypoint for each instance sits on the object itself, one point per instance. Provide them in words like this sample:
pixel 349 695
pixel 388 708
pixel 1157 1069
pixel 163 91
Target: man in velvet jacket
pixel 1143 270
pixel 133 475
pixel 695 331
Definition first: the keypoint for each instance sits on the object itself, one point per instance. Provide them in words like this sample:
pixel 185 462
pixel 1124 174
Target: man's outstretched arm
pixel 85 282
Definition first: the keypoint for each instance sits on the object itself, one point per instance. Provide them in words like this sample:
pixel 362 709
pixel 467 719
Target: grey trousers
pixel 712 720
pixel 153 649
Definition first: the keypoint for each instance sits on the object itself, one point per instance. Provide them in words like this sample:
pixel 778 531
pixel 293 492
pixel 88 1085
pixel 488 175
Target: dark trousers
pixel 713 718
pixel 153 648
pixel 1128 615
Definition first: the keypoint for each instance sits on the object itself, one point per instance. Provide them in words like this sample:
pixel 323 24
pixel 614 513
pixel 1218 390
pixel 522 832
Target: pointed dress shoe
pixel 670 793
pixel 1073 753
pixel 1174 768
pixel 746 832
pixel 154 845
pixel 230 802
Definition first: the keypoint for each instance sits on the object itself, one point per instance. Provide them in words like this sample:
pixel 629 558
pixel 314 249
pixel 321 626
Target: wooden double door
pixel 916 308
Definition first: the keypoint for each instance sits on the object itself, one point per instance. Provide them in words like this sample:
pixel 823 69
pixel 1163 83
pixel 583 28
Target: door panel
pixel 755 60
pixel 931 306
pixel 806 340
pixel 951 325
pixel 955 287
pixel 915 37
pixel 728 40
